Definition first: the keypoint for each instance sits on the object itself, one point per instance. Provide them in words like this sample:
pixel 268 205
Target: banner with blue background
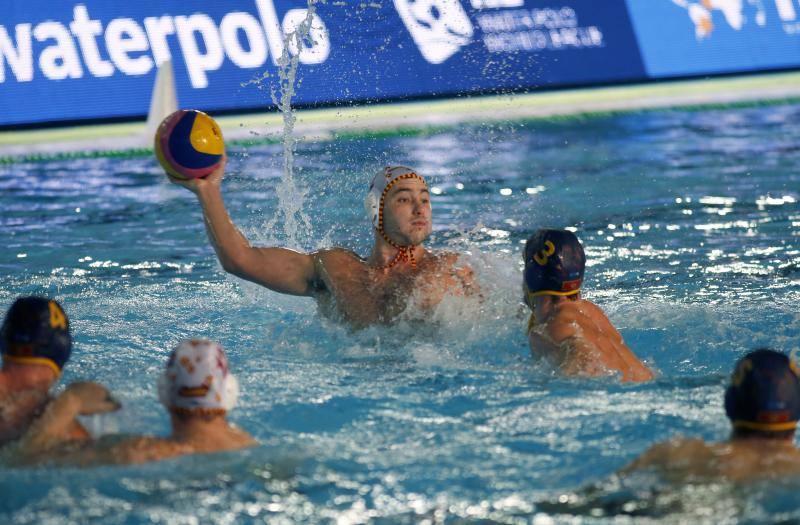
pixel 701 37
pixel 68 61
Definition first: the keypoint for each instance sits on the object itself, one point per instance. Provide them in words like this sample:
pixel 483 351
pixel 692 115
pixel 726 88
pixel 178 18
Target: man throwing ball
pixel 399 274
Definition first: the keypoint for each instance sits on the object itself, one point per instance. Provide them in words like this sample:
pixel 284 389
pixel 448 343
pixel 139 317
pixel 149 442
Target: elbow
pixel 232 265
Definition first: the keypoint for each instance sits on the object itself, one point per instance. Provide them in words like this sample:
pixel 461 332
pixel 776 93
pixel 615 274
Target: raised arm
pixel 279 269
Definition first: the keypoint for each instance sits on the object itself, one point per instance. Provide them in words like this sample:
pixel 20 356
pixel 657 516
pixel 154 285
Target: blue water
pixel 691 221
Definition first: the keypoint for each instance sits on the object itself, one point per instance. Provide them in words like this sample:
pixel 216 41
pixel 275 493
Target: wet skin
pixel 46 441
pixel 359 292
pixel 577 338
pixel 24 395
pixel 684 460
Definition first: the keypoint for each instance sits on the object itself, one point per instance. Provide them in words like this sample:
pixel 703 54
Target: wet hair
pixel 554 263
pixel 763 398
pixel 36 331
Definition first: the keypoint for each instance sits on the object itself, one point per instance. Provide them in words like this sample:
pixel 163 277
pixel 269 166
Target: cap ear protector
pixel 36 331
pixel 764 392
pixel 372 206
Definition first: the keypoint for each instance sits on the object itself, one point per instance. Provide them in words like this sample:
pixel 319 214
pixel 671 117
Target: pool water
pixel 691 224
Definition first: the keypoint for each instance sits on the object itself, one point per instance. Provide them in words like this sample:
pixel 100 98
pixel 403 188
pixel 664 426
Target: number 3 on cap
pixel 544 254
pixel 57 317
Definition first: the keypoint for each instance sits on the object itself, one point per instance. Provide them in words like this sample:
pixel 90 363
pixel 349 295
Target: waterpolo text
pixel 135 48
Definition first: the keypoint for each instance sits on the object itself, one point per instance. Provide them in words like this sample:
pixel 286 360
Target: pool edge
pixel 131 139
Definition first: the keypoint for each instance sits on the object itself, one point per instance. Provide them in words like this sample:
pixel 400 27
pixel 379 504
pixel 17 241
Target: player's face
pixel 407 212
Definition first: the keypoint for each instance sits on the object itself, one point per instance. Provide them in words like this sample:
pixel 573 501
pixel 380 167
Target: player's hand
pixel 91 398
pixel 213 179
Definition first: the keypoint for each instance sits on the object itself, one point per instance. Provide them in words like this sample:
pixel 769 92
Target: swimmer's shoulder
pixel 337 255
pixel 27 397
pixel 447 259
pixel 584 313
pixel 672 453
pixel 682 449
pixel 565 323
pixel 557 330
pixel 241 439
pixel 578 308
pixel 332 264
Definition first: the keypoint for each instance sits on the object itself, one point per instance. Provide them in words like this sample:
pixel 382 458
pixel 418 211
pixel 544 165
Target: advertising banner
pixel 691 37
pixel 78 60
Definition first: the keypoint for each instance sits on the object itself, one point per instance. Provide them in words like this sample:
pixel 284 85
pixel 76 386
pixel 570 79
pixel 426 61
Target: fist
pixel 91 398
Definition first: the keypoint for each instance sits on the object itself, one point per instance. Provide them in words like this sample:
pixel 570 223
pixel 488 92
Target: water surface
pixel 691 224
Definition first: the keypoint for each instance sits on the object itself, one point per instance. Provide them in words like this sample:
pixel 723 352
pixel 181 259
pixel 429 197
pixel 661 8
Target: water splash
pixel 291 194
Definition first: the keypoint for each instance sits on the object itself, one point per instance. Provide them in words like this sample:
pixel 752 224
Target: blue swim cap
pixel 36 331
pixel 554 263
pixel 764 393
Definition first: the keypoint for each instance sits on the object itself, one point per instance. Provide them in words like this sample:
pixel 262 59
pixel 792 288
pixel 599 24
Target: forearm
pixel 228 242
pixel 121 450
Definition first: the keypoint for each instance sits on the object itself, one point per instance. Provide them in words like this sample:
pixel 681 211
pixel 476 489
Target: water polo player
pixel 361 292
pixel 573 334
pixel 762 402
pixel 197 389
pixel 36 343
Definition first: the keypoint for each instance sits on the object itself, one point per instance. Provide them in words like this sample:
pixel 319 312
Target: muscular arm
pixel 110 450
pixel 580 340
pixel 279 269
pixel 560 342
pixel 57 423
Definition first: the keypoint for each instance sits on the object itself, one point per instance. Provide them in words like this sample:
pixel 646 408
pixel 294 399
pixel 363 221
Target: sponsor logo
pixel 701 12
pixel 538 29
pixel 134 47
pixel 439 28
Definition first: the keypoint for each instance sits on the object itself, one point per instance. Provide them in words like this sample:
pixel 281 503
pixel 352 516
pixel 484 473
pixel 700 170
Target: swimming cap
pixel 197 379
pixel 36 331
pixel 764 393
pixel 374 201
pixel 380 186
pixel 554 263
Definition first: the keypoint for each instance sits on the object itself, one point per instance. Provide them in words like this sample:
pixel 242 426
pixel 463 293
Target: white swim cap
pixel 197 377
pixel 381 183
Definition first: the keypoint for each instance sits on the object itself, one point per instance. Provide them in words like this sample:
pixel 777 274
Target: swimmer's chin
pixel 419 235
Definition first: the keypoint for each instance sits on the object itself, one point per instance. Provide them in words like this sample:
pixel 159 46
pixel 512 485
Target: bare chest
pixel 365 296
